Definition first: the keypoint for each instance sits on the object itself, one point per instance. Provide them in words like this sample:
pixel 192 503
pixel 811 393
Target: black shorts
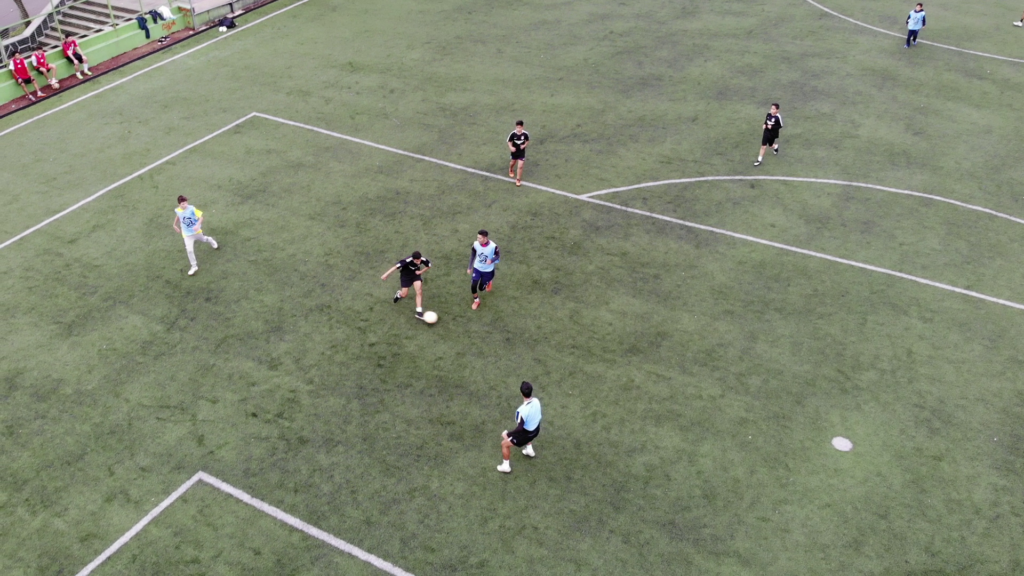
pixel 24 81
pixel 769 137
pixel 523 438
pixel 408 281
pixel 520 155
pixel 76 56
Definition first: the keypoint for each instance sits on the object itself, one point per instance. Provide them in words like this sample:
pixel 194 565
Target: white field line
pixel 891 33
pixel 122 181
pixel 812 180
pixel 153 67
pixel 255 503
pixel 586 198
pixel 738 236
pixel 140 525
pixel 304 527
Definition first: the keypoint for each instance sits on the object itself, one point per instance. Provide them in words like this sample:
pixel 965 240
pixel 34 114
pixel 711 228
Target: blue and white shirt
pixel 481 254
pixel 189 218
pixel 916 20
pixel 529 414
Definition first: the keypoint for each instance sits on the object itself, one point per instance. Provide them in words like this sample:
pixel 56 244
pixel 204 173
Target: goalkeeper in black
pixel 770 137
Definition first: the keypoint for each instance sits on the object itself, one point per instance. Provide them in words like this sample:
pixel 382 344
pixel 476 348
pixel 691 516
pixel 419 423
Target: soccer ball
pixel 430 317
pixel 223 28
pixel 56 85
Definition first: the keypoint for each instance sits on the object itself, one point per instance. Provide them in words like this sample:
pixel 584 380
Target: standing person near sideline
pixel 19 69
pixel 410 274
pixel 527 428
pixel 74 55
pixel 191 220
pixel 915 23
pixel 482 258
pixel 772 125
pixel 517 141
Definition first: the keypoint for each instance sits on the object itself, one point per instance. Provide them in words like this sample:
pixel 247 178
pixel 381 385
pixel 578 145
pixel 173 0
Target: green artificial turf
pixel 691 382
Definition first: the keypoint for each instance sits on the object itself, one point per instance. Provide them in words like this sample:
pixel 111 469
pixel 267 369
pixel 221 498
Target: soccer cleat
pixel 79 74
pixel 906 45
pixel 192 271
pixel 1018 24
pixel 398 296
pixel 512 174
pixel 915 42
pixel 775 150
pixel 757 163
pixel 519 182
pixel 420 316
pixel 489 284
pixel 87 73
pixel 214 243
pixel 504 467
pixel 31 98
pixel 40 94
pixel 528 451
pixel 476 304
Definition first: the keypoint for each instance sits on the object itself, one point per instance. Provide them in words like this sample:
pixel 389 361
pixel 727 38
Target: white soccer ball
pixel 430 317
pixel 223 28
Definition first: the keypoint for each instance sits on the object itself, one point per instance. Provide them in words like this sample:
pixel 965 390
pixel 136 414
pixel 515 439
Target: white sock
pixel 504 462
pixel 419 309
pixel 759 158
pixel 86 66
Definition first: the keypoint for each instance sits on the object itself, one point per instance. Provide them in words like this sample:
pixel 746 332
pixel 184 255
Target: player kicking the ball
pixel 772 125
pixel 482 258
pixel 410 274
pixel 191 229
pixel 518 140
pixel 527 428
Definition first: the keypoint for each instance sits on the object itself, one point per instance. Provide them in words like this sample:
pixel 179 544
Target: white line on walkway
pixel 140 525
pixel 304 527
pixel 153 67
pixel 891 33
pixel 255 503
pixel 812 180
pixel 122 181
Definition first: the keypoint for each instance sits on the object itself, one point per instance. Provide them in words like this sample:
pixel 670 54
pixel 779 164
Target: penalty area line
pixel 256 503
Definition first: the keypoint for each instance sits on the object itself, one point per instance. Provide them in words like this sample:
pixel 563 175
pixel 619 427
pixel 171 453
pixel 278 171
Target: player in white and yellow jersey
pixel 188 221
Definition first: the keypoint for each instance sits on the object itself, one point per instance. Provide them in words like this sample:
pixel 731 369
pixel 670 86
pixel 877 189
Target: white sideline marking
pixel 891 33
pixel 122 181
pixel 153 67
pixel 812 180
pixel 255 503
pixel 585 198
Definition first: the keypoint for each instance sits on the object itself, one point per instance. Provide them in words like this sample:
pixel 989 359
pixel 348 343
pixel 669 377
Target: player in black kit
pixel 772 125
pixel 411 275
pixel 518 140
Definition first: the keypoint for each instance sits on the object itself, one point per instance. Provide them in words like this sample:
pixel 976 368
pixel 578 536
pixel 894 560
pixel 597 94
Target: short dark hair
pixel 182 199
pixel 519 122
pixel 416 255
pixel 483 233
pixel 526 389
pixel 40 48
pixel 920 4
pixel 776 106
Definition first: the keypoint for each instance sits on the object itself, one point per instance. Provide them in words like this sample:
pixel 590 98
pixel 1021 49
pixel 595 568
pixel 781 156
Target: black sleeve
pixel 511 134
pixel 518 429
pixel 472 256
pixel 425 262
pixel 526 136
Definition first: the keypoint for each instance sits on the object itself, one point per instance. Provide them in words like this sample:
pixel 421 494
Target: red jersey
pixel 70 47
pixel 20 69
pixel 39 60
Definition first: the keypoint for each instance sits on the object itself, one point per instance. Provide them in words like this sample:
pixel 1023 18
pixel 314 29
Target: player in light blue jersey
pixel 190 220
pixel 915 23
pixel 527 428
pixel 482 259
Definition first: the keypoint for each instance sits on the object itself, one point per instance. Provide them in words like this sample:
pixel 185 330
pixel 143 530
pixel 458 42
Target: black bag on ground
pixel 228 22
